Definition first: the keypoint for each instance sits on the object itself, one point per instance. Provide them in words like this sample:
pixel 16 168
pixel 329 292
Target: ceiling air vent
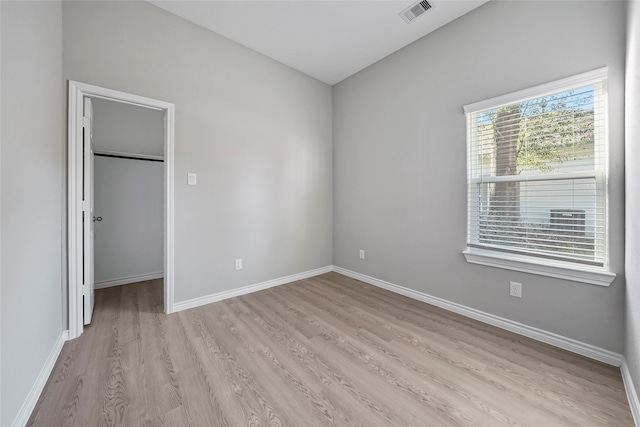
pixel 415 10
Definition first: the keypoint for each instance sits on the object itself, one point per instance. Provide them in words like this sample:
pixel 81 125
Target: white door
pixel 88 214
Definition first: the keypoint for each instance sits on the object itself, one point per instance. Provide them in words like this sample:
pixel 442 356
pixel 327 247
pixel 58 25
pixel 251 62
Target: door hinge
pixel 85 206
pixel 84 289
pixel 86 122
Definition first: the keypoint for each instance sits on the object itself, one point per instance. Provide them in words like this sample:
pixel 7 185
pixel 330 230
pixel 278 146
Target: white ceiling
pixel 328 40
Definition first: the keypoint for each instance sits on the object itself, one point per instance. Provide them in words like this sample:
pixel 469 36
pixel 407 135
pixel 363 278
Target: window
pixel 536 171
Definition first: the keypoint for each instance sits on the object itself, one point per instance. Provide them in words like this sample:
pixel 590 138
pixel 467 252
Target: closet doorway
pixel 121 192
pixel 128 149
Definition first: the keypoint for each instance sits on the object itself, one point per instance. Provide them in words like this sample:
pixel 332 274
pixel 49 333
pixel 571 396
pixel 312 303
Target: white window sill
pixel 584 274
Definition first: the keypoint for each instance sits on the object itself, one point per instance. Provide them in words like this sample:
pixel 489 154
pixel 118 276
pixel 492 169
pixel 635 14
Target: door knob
pixel 97 218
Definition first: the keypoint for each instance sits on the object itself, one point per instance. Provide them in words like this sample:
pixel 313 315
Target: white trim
pixel 77 92
pixel 632 394
pixel 556 340
pixel 169 262
pixel 126 280
pixel 542 267
pixel 208 299
pixel 41 380
pixel 74 214
pixel 539 91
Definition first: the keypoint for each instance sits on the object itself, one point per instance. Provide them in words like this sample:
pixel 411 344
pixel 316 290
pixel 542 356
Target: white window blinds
pixel 537 172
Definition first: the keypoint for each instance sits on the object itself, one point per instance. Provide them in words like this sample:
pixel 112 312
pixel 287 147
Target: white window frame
pixel 594 275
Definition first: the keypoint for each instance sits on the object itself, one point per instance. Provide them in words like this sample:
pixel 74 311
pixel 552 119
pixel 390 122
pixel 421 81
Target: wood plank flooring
pixel 326 351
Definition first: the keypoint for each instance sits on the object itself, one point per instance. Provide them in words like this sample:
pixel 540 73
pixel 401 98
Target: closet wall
pixel 128 193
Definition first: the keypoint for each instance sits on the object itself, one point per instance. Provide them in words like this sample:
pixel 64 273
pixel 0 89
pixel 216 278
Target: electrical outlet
pixel 515 289
pixel 361 253
pixel 239 264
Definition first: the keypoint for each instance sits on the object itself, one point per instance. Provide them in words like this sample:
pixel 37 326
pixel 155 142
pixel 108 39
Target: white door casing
pixel 88 217
pixel 78 92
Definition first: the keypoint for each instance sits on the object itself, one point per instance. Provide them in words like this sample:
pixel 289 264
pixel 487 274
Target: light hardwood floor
pixel 328 350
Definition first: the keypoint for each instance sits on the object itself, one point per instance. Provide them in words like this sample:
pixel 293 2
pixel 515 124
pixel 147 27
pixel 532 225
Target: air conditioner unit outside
pixel 569 221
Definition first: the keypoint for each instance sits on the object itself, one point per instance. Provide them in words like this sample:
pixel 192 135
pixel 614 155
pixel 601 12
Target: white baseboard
pixel 632 394
pixel 127 280
pixel 560 341
pixel 208 299
pixel 34 394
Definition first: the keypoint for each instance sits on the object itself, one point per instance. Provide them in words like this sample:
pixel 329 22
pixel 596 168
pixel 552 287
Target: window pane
pixel 551 134
pixel 556 219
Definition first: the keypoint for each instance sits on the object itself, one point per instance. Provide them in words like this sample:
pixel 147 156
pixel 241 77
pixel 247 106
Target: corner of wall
pixel 631 367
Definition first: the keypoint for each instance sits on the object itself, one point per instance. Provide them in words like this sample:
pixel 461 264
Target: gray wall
pixel 400 160
pixel 32 172
pixel 126 128
pixel 632 138
pixel 129 240
pixel 128 193
pixel 257 133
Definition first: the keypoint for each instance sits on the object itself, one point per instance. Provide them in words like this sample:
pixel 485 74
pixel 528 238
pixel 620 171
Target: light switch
pixel 191 178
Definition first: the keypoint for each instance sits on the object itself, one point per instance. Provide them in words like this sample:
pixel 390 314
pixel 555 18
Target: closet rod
pixel 119 156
